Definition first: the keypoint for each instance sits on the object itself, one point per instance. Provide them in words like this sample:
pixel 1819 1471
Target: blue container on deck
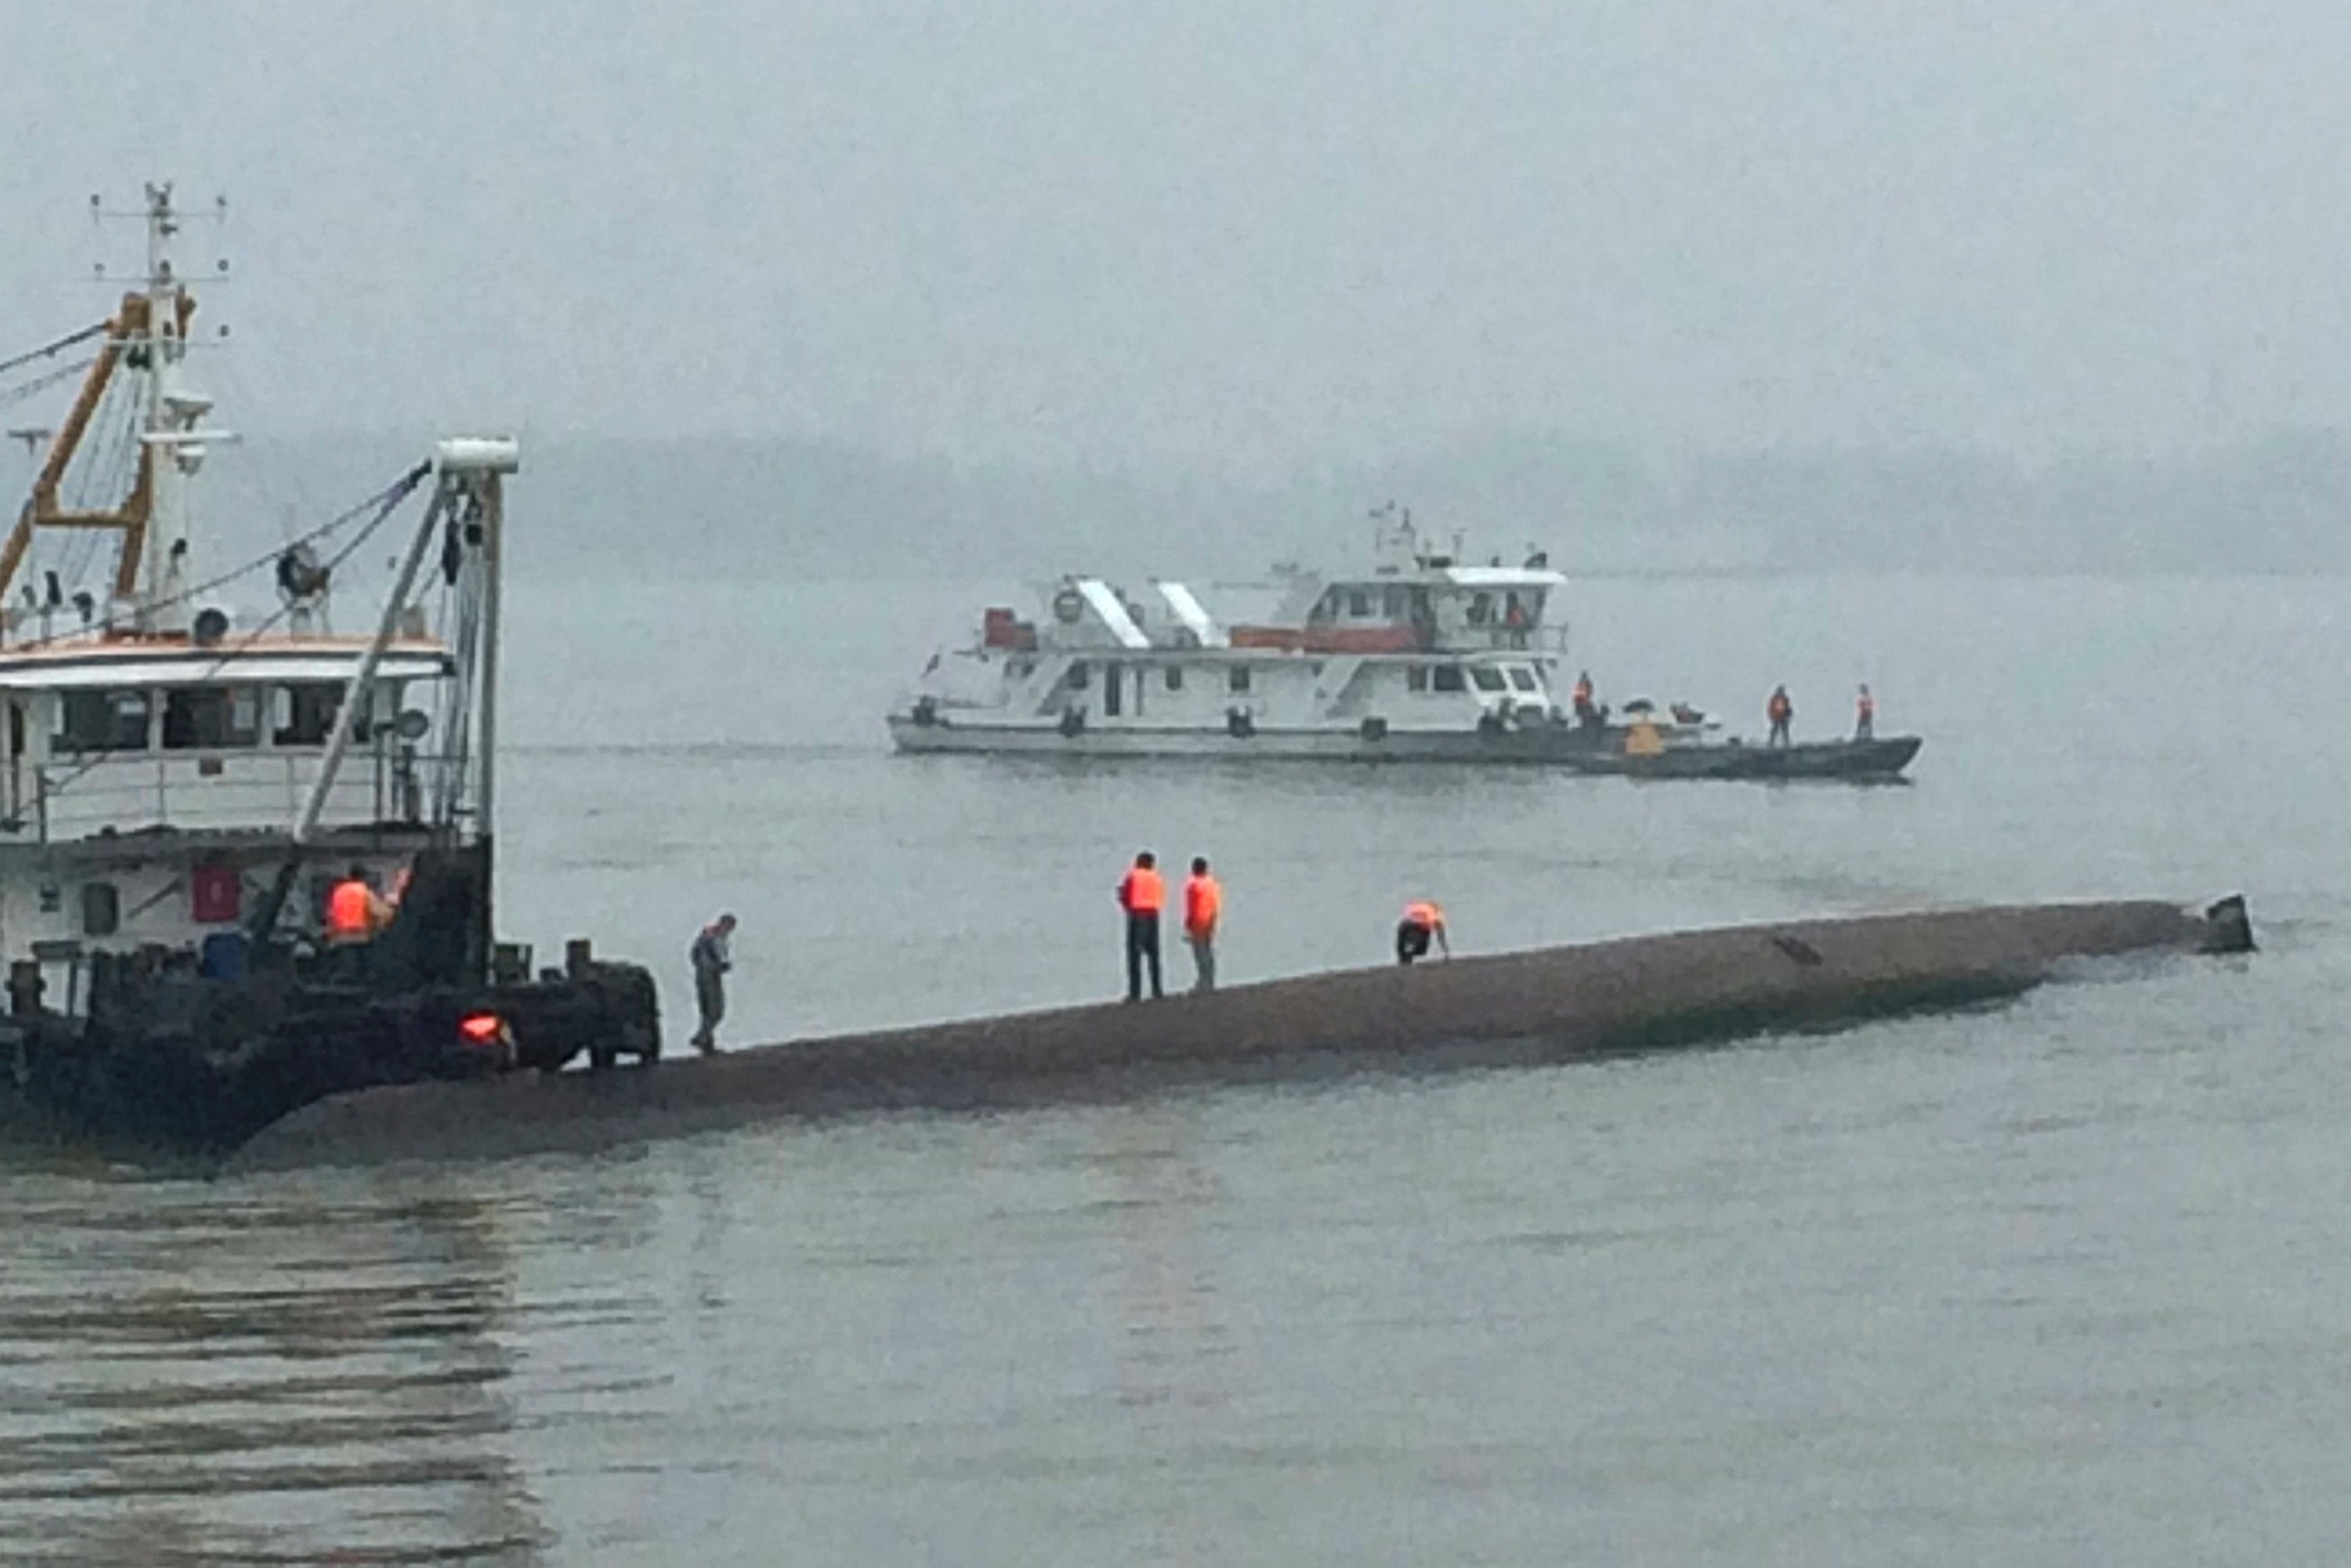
pixel 222 958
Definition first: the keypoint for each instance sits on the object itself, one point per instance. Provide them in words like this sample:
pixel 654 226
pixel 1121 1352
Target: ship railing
pixel 214 792
pixel 1504 639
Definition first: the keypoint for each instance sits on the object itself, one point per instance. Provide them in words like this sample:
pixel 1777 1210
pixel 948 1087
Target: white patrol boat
pixel 1420 657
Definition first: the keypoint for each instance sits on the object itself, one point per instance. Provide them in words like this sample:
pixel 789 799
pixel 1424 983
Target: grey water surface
pixel 2057 1282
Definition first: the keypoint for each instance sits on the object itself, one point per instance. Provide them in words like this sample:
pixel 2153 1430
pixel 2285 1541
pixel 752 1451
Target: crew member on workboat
pixel 1142 894
pixel 1585 712
pixel 356 912
pixel 712 958
pixel 1782 712
pixel 1422 921
pixel 1864 714
pixel 1204 902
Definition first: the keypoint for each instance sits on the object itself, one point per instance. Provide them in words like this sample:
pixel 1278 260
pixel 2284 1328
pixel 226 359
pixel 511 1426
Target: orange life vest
pixel 351 911
pixel 1583 691
pixel 1143 892
pixel 1867 705
pixel 1202 902
pixel 1423 914
pixel 1780 707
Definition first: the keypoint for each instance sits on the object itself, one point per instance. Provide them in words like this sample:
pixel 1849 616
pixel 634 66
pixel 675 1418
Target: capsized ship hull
pixel 1556 1004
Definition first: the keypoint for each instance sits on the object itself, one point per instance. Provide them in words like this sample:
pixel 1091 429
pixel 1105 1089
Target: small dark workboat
pixel 1857 761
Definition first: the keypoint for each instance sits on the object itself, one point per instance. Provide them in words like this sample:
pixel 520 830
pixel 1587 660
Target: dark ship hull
pixel 166 1056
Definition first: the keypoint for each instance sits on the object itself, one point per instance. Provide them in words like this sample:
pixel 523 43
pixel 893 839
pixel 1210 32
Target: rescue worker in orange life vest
pixel 1204 903
pixel 1582 699
pixel 1422 920
pixel 1780 711
pixel 1142 894
pixel 1864 714
pixel 355 910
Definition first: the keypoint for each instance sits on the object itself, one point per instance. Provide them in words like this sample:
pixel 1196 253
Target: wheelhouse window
pixel 1238 679
pixel 1358 603
pixel 1415 677
pixel 1391 603
pixel 206 718
pixel 1175 677
pixel 1489 679
pixel 304 714
pixel 112 720
pixel 1481 609
pixel 1078 677
pixel 1524 679
pixel 1448 678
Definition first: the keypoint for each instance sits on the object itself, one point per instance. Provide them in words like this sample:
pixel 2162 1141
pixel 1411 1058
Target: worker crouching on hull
pixel 1423 921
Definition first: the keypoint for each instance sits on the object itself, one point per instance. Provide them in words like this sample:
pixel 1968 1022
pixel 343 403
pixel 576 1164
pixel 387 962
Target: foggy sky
pixel 1236 233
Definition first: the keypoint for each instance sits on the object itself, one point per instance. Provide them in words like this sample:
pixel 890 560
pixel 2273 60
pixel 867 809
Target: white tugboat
pixel 184 782
pixel 1420 657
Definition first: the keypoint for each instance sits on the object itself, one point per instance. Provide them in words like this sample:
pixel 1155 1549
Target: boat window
pixel 1325 607
pixel 1448 678
pixel 1237 678
pixel 303 714
pixel 103 721
pixel 1111 684
pixel 1175 677
pixel 1415 677
pixel 1524 679
pixel 1489 678
pixel 1481 605
pixel 1391 603
pixel 1078 677
pixel 211 718
pixel 1358 603
pixel 102 909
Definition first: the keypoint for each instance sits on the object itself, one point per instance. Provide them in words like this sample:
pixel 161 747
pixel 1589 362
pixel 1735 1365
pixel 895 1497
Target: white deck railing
pixel 195 792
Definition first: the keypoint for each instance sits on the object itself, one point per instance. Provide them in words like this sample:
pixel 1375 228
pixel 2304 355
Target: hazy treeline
pixel 591 507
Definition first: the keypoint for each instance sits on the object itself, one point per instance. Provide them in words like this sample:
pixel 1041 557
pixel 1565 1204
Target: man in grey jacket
pixel 711 962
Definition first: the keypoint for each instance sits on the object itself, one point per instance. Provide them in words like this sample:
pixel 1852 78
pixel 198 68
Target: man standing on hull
pixel 711 962
pixel 1203 903
pixel 1142 894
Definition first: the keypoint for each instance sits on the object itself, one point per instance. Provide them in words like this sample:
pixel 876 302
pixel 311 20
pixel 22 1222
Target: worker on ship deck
pixel 1423 920
pixel 1586 714
pixel 712 957
pixel 1203 906
pixel 1782 711
pixel 356 912
pixel 1142 893
pixel 1864 714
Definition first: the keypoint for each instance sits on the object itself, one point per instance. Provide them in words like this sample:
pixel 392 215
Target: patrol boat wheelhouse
pixel 166 762
pixel 1420 657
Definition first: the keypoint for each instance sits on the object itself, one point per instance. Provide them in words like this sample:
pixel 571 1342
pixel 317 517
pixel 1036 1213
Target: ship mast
pixel 153 573
pixel 148 334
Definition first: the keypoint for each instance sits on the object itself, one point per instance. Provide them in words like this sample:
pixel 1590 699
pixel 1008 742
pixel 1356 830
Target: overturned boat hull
pixel 1553 1005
